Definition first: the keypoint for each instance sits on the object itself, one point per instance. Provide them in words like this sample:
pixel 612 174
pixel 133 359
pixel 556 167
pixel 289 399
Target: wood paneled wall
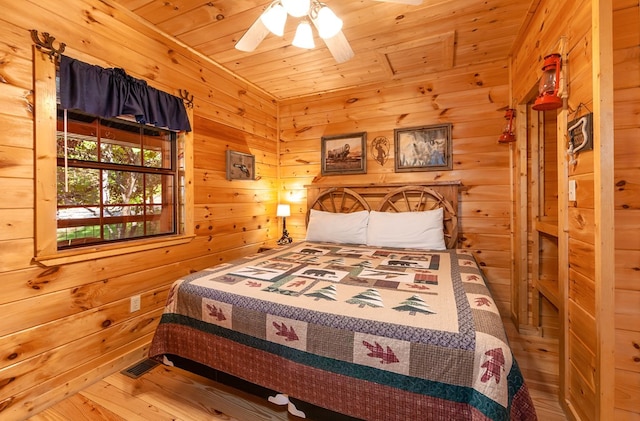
pixel 547 28
pixel 587 376
pixel 626 53
pixel 472 99
pixel 66 326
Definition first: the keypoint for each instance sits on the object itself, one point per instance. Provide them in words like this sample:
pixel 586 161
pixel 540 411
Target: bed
pixel 377 315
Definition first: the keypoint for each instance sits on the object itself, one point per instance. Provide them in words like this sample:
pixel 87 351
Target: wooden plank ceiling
pixel 390 41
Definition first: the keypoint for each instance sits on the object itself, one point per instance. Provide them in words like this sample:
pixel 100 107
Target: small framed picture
pixel 580 131
pixel 425 148
pixel 344 154
pixel 240 166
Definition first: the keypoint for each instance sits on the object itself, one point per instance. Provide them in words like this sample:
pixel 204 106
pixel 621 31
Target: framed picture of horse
pixel 344 154
pixel 425 148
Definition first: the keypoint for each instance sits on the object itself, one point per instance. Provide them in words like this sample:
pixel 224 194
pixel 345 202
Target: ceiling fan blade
pixel 253 37
pixel 339 47
pixel 411 2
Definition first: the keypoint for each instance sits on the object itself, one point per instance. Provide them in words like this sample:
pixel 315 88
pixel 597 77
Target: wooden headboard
pixel 393 197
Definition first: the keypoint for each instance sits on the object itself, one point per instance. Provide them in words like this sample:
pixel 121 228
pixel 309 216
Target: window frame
pixel 45 152
pixel 130 135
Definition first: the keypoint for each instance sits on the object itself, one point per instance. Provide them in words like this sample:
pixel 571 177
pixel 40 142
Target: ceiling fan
pixel 328 25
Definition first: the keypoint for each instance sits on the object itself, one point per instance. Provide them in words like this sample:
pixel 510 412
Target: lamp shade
pixel 283 210
pixel 274 18
pixel 304 36
pixel 328 23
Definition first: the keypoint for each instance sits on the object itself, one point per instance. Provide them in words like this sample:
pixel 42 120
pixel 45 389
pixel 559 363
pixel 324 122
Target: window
pixel 129 189
pixel 116 180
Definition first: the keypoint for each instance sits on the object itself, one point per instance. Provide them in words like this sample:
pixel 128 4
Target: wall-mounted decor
pixel 240 166
pixel 344 154
pixel 380 149
pixel 580 136
pixel 550 84
pixel 425 148
pixel 508 133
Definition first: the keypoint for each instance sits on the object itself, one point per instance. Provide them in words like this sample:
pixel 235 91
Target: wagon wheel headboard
pixel 417 199
pixel 338 200
pixel 391 197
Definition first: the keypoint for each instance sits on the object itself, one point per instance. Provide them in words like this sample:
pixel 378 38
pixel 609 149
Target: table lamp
pixel 284 210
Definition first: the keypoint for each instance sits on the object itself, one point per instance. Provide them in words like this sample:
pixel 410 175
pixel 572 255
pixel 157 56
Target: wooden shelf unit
pixel 546 290
pixel 547 227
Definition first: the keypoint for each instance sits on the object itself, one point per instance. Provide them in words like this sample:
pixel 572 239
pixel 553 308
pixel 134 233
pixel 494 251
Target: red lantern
pixel 508 135
pixel 548 98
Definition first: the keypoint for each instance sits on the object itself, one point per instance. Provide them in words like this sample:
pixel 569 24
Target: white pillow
pixel 421 230
pixel 348 228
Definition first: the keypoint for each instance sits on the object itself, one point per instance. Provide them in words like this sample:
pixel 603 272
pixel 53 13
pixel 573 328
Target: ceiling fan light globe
pixel 328 23
pixel 297 8
pixel 304 36
pixel 274 18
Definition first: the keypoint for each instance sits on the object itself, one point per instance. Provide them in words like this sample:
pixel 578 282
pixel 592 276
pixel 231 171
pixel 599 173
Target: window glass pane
pixel 122 187
pixel 83 187
pixel 80 235
pixel 82 142
pixel 123 230
pixel 160 202
pixel 153 189
pixel 120 143
pixel 157 149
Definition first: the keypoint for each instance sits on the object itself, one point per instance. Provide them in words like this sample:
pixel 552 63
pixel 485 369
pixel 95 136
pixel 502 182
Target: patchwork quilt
pixel 374 333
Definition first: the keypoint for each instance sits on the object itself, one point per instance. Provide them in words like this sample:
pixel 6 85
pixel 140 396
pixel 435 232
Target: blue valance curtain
pixel 111 92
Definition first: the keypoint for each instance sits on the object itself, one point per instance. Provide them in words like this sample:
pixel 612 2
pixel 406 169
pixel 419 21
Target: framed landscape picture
pixel 344 154
pixel 425 148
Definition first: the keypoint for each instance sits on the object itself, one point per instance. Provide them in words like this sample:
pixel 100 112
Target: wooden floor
pixel 166 393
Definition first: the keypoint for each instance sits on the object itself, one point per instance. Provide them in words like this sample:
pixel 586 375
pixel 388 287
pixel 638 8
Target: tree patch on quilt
pixel 414 305
pixel 382 353
pixel 289 333
pixel 370 298
pixel 482 302
pixel 172 297
pixel 217 312
pixel 493 366
pixel 493 362
pixel 377 351
pixel 471 277
pixel 467 262
pixel 328 293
